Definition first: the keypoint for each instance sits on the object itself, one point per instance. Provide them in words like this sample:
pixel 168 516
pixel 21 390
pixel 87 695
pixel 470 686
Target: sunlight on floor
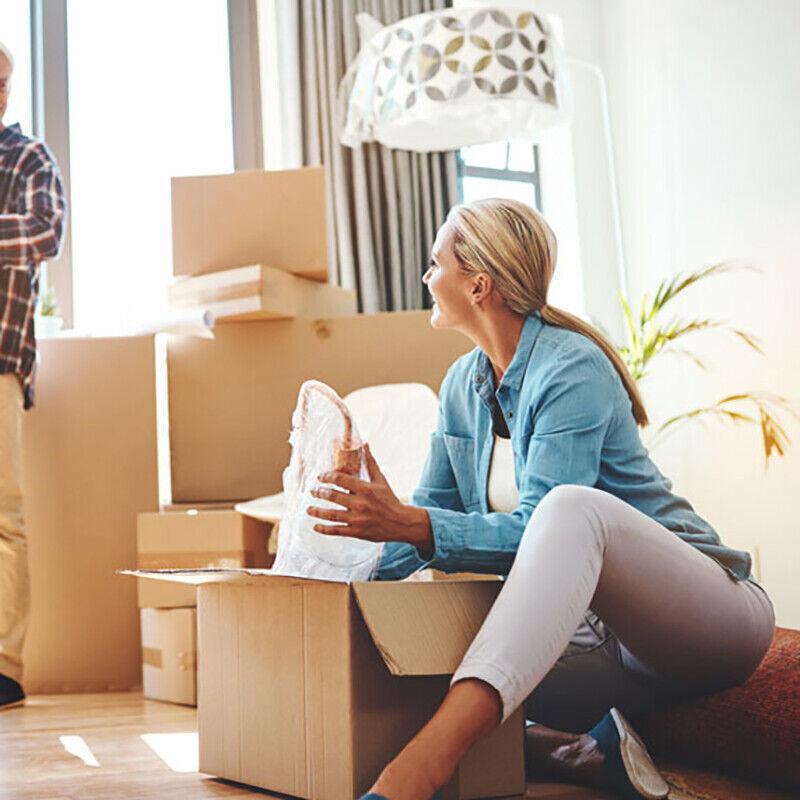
pixel 177 750
pixel 76 746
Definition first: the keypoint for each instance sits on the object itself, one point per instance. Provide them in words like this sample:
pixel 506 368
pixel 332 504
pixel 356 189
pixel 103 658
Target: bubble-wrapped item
pixel 323 438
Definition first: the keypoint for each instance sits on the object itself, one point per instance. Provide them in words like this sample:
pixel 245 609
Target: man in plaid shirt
pixel 31 230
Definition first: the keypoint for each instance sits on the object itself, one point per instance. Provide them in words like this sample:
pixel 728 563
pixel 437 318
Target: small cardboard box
pixel 309 688
pixel 260 292
pixel 276 218
pixel 195 539
pixel 169 654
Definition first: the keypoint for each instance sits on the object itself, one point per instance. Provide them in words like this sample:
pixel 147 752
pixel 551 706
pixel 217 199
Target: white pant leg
pixel 674 608
pixel 14 584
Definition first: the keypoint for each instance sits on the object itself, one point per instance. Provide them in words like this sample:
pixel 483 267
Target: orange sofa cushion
pixel 751 731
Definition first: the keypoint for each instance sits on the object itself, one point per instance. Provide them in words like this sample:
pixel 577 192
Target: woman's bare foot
pixel 568 757
pixel 416 774
pixel 470 709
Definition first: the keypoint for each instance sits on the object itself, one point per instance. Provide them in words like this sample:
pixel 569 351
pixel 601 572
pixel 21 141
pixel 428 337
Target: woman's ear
pixel 481 287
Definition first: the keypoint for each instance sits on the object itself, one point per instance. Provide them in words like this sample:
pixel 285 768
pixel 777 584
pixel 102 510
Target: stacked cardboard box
pixel 185 539
pixel 306 687
pixel 253 245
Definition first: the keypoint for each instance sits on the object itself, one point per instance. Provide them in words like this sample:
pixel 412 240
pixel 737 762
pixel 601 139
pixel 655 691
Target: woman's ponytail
pixel 514 244
pixel 563 319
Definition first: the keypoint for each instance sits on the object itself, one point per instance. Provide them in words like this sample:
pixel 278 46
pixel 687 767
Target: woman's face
pixel 449 287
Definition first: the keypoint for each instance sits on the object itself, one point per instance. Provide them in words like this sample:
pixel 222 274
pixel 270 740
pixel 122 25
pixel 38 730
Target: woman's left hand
pixel 370 510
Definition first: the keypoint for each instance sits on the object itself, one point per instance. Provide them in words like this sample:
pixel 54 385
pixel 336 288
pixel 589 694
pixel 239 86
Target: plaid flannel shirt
pixel 32 210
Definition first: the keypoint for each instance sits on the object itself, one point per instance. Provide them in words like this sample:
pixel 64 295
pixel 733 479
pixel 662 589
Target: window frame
pixel 465 170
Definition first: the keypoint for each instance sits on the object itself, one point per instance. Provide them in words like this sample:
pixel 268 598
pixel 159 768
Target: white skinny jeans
pixel 604 606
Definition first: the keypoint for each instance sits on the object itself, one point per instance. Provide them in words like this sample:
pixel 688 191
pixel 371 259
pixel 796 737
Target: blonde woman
pixel 619 596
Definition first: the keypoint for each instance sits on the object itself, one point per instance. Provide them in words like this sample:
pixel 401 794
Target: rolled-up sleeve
pixel 570 419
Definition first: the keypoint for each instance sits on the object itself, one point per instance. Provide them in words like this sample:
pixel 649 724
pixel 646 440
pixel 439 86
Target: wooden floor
pixel 120 746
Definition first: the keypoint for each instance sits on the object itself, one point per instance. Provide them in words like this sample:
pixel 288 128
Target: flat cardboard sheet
pixel 276 218
pixel 231 399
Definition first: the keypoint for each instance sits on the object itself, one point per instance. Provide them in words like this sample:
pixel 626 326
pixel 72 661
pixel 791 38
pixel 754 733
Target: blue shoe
pixel 630 771
pixel 11 693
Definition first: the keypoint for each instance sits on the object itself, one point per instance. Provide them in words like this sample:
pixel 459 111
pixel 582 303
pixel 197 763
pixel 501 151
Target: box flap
pixel 424 628
pixel 243 576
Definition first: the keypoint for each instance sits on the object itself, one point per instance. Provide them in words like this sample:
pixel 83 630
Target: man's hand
pixel 370 510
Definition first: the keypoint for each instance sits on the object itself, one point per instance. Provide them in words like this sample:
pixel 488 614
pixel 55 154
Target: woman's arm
pixel 571 416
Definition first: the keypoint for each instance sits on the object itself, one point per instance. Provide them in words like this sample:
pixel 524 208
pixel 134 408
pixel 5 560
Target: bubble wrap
pixel 323 438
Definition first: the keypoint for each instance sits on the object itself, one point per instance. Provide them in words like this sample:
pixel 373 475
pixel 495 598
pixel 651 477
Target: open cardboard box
pixel 309 687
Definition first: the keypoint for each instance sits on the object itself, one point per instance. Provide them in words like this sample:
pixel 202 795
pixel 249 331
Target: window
pixel 149 98
pixel 15 33
pixel 500 169
pixel 541 175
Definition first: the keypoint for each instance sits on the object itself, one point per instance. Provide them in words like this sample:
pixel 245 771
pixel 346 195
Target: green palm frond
pixel 773 435
pixel 647 337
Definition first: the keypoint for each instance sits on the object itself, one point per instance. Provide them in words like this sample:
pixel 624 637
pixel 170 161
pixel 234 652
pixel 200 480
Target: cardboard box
pixel 277 218
pixel 309 688
pixel 195 539
pixel 169 654
pixel 90 462
pixel 260 292
pixel 231 398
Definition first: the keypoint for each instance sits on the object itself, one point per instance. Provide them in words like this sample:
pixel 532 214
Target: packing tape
pixel 199 559
pixel 151 656
pixel 187 660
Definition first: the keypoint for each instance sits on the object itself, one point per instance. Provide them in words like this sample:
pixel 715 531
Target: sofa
pixel 739 744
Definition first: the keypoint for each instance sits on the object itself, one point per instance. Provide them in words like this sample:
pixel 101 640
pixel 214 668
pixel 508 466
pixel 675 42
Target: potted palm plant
pixel 46 319
pixel 648 335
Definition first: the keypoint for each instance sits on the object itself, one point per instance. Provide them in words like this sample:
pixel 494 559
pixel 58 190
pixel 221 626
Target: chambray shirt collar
pixel 482 375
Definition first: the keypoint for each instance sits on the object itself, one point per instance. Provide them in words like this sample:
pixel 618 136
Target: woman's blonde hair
pixel 516 247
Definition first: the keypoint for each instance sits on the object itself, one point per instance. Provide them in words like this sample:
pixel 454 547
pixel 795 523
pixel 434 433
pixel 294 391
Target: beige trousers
pixel 14 583
pixel 604 606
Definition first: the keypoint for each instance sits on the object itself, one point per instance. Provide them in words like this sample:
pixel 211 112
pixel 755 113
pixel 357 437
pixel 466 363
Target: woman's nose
pixel 426 276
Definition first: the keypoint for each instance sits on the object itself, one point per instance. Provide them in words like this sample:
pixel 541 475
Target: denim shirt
pixel 571 422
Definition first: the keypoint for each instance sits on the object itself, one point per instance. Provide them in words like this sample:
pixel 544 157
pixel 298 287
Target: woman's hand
pixel 370 510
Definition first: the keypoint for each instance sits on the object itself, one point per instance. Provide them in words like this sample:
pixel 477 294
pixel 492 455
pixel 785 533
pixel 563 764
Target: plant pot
pixel 47 326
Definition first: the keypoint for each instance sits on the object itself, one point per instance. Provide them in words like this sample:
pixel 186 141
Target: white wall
pixel 706 119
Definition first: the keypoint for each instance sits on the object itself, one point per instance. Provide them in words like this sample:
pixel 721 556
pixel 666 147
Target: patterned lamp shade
pixel 456 77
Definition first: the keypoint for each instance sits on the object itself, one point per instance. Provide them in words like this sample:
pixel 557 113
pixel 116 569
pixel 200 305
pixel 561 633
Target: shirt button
pixel 510 414
pixel 478 379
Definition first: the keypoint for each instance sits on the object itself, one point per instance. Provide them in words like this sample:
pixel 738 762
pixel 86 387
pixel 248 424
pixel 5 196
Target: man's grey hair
pixel 7 53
